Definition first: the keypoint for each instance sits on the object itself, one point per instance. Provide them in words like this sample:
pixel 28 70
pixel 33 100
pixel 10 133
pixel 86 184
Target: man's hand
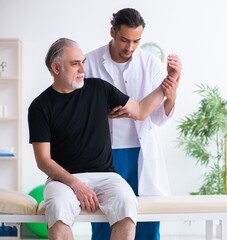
pixel 174 66
pixel 119 112
pixel 86 196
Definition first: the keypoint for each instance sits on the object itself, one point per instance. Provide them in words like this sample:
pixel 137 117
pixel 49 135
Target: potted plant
pixel 203 136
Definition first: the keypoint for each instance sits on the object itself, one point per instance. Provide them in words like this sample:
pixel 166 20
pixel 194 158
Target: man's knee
pixel 123 229
pixel 60 231
pixel 126 222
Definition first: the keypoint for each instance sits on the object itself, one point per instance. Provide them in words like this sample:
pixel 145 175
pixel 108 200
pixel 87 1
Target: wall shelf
pixel 10 113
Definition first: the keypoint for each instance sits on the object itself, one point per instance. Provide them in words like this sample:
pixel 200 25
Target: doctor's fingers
pixel 170 83
pixel 170 79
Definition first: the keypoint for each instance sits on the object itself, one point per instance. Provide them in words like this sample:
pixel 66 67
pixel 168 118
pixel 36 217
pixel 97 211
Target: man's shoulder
pixel 42 96
pixel 98 85
pixel 95 81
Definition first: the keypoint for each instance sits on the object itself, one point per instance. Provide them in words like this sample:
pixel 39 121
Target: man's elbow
pixel 140 116
pixel 40 165
pixel 137 111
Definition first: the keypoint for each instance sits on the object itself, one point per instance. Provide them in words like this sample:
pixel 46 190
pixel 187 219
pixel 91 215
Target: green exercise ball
pixel 39 229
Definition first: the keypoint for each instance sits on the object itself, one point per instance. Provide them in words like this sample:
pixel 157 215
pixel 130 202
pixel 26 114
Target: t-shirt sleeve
pixel 38 123
pixel 117 97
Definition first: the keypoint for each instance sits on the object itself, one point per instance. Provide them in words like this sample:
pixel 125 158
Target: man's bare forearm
pixel 149 103
pixel 142 109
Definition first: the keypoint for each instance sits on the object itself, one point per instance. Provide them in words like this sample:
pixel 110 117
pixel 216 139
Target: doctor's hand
pixel 86 196
pixel 119 112
pixel 169 87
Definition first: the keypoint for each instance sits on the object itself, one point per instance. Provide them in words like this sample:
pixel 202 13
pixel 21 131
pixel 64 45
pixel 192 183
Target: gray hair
pixel 56 51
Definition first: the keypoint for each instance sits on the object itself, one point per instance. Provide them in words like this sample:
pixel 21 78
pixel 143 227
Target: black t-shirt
pixel 76 125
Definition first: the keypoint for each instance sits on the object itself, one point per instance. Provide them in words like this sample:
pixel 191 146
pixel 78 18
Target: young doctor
pixel 136 147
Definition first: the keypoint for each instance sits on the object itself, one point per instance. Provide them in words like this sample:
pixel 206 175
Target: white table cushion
pixel 173 204
pixel 183 204
pixel 13 202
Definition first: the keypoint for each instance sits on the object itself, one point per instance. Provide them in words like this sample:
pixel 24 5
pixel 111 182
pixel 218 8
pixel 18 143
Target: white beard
pixel 77 85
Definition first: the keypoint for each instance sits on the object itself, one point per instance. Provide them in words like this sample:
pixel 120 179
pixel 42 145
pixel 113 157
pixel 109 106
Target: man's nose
pixel 130 46
pixel 82 68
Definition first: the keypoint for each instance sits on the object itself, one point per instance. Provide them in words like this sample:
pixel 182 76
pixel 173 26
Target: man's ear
pixel 55 68
pixel 112 32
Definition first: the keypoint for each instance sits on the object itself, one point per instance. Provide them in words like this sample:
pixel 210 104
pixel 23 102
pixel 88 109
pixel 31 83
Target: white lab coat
pixel 146 72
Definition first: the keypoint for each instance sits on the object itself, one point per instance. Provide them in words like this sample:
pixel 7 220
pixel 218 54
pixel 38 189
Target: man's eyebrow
pixel 130 40
pixel 78 61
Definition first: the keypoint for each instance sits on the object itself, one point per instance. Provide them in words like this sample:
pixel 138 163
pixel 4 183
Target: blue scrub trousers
pixel 126 164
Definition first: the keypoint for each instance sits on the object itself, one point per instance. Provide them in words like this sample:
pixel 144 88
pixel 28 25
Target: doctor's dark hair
pixel 127 16
pixel 56 50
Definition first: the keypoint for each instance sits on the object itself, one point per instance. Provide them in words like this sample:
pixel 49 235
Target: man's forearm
pixel 149 103
pixel 141 110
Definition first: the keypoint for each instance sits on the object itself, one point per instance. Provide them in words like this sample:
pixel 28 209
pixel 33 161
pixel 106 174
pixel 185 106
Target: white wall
pixel 194 29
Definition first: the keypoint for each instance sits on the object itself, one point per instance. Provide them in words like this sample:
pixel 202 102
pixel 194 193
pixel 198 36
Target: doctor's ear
pixel 112 32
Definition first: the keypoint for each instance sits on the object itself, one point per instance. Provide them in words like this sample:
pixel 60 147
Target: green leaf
pixel 206 127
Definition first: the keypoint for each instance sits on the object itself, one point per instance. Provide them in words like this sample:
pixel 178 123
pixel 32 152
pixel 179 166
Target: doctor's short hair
pixel 129 17
pixel 56 50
